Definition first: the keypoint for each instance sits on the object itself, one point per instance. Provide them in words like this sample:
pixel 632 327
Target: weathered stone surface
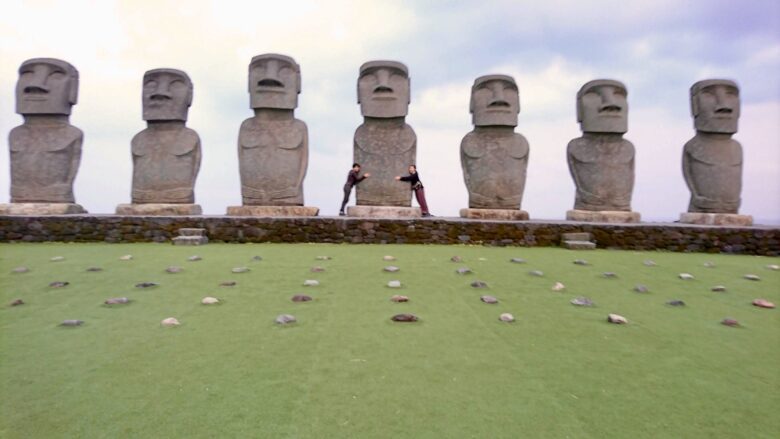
pixel 257 258
pixel 301 298
pixel 581 262
pixel 59 284
pixel 579 245
pixel 170 322
pixel 273 146
pixel 686 276
pixel 576 236
pixel 536 273
pixel 285 319
pixel 463 270
pixel 57 258
pixel 46 149
pixel 388 258
pixel 716 219
pixel 456 259
pixel 317 269
pixel 399 298
pixel 159 209
pixel 384 211
pixel 323 258
pixel 493 157
pixel 609 275
pixel 272 211
pixel 17 302
pixel 394 284
pixel 384 144
pixel 506 317
pixel 718 289
pixel 753 277
pixel 479 284
pixel 94 269
pixel 71 323
pixel 391 269
pixel 488 299
pixel 676 302
pixel 639 288
pixel 239 270
pixel 310 283
pixel 126 258
pixel 582 301
pixel 709 264
pixel 601 162
pixel 730 322
pixel 558 286
pixel 649 263
pixel 19 270
pixel 208 300
pixel 194 258
pixel 34 209
pixel 712 160
pixel 617 319
pixel 174 269
pixel 117 301
pixel 190 240
pixel 146 285
pixel 404 318
pixel 228 283
pixel 517 260
pixel 763 303
pixel 773 267
pixel 603 216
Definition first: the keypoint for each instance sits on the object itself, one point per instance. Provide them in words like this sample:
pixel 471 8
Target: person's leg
pixel 347 191
pixel 420 194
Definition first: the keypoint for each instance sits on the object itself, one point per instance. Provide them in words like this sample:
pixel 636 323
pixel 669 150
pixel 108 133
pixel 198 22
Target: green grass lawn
pixel 345 370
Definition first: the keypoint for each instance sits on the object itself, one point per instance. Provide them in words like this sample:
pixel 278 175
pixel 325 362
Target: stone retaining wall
pixel 757 240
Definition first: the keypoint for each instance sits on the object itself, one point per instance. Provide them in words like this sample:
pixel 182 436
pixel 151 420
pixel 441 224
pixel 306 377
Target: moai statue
pixel 46 148
pixel 273 146
pixel 384 145
pixel 712 160
pixel 601 162
pixel 166 155
pixel 494 158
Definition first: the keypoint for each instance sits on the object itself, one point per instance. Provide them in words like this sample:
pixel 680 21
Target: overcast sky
pixel 658 48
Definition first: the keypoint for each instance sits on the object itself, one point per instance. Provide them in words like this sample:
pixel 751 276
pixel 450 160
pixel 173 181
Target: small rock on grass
pixel 506 317
pixel 391 269
pixel 324 258
pixel 718 288
pixel 170 322
pixel 763 303
pixel 257 258
pixel 94 269
pixel 126 258
pixel 19 270
pixel 240 270
pixel 617 319
pixel 517 260
pixel 581 262
pixel 686 276
pixel 582 301
pixel 57 258
pixel 464 270
pixel 285 319
pixel 317 269
pixel 394 284
pixel 228 283
pixel 399 298
pixel 117 301
pixel 609 275
pixel 649 263
pixel 301 298
pixel 479 284
pixel 536 273
pixel 404 318
pixel 17 302
pixel 173 269
pixel 59 284
pixel 388 258
pixel 489 299
pixel 639 288
pixel 71 323
pixel 558 286
pixel 456 259
pixel 208 300
pixel 310 283
pixel 774 267
pixel 709 264
pixel 730 322
pixel 751 277
pixel 194 258
pixel 146 285
pixel 675 302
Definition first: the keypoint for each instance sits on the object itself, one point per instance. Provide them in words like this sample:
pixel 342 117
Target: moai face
pixel 383 89
pixel 274 82
pixel 715 106
pixel 166 95
pixel 46 86
pixel 602 107
pixel 494 101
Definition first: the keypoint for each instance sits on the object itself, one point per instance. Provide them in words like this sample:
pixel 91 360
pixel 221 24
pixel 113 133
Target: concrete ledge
pixel 497 214
pixel 41 209
pixel 384 212
pixel 272 211
pixel 158 209
pixel 603 216
pixel 716 219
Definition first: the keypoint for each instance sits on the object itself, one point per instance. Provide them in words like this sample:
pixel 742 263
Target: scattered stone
pixel 751 277
pixel 208 300
pixel 489 299
pixel 404 318
pixel 17 302
pixel 649 263
pixel 173 269
pixel 639 288
pixel 146 285
pixel 774 267
pixel 324 258
pixel 676 302
pixel 228 283
pixel 558 286
pixel 464 270
pixel 686 276
pixel 763 303
pixel 126 258
pixel 170 322
pixel 94 269
pixel 456 259
pixel 388 258
pixel 257 258
pixel 117 301
pixel 317 269
pixel 581 262
pixel 506 317
pixel 482 259
pixel 20 270
pixel 72 323
pixel 310 283
pixel 517 260
pixel 709 264
pixel 301 298
pixel 536 273
pixel 617 319
pixel 59 284
pixel 194 258
pixel 399 299
pixel 479 284
pixel 718 288
pixel 392 269
pixel 582 301
pixel 240 270
pixel 394 284
pixel 609 275
pixel 730 322
pixel 57 258
pixel 284 319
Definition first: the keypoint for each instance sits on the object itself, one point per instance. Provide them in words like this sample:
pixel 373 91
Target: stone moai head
pixel 46 86
pixel 166 95
pixel 495 101
pixel 715 106
pixel 274 82
pixel 602 107
pixel 384 89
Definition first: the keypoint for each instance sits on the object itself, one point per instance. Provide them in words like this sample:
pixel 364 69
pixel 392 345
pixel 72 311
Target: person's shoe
pixel 342 213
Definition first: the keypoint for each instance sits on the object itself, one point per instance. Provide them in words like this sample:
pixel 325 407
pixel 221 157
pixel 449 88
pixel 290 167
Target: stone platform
pixel 41 209
pixel 603 216
pixel 272 211
pixel 716 219
pixel 384 212
pixel 495 214
pixel 159 209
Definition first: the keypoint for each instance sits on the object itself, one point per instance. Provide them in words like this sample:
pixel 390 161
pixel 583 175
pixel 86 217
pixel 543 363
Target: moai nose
pixel 383 79
pixel 608 100
pixel 38 82
pixel 722 104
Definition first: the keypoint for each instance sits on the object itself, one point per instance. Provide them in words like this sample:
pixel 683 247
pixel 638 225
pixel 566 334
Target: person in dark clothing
pixel 416 185
pixel 353 178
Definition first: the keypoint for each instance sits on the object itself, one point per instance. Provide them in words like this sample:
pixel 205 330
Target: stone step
pixel 576 236
pixel 579 245
pixel 192 232
pixel 190 240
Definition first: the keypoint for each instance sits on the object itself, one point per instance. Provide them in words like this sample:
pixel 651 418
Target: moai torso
pixel 384 145
pixel 46 149
pixel 712 160
pixel 601 162
pixel 166 155
pixel 493 157
pixel 273 146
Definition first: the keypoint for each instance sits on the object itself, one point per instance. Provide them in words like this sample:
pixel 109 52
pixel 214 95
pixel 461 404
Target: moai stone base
pixel 34 209
pixel 716 219
pixel 384 212
pixel 272 211
pixel 495 214
pixel 603 216
pixel 578 241
pixel 191 237
pixel 159 209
